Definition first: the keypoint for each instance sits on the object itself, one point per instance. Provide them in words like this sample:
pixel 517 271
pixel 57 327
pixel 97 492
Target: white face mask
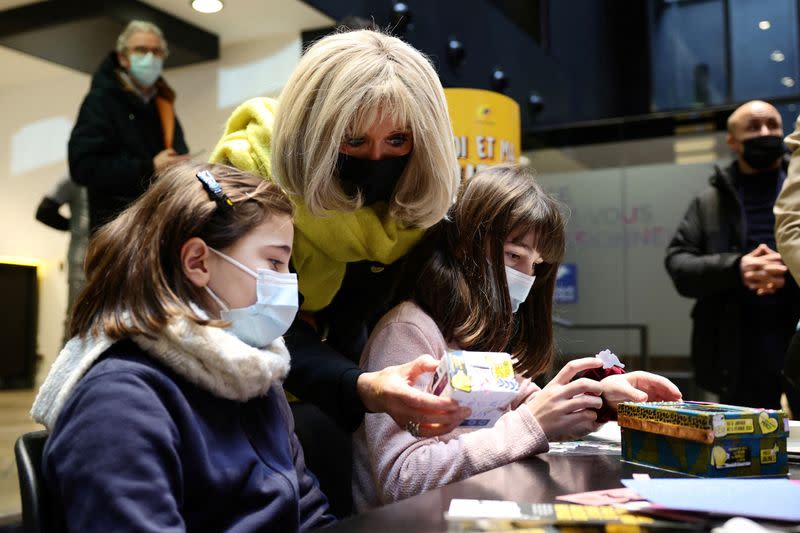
pixel 519 285
pixel 145 68
pixel 274 310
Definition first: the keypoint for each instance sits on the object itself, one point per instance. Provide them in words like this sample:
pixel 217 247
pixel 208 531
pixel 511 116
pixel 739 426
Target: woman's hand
pixel 564 407
pixel 638 386
pixel 392 391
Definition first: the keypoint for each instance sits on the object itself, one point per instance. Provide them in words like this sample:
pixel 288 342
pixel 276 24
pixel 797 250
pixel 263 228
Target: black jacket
pixel 325 361
pixel 114 140
pixel 703 258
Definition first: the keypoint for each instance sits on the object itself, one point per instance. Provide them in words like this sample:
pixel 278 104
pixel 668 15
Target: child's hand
pixel 638 387
pixel 563 408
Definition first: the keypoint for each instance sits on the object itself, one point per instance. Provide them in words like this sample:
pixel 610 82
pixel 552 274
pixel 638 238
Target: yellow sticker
pixel 503 369
pixel 461 381
pixel 739 425
pixel 769 456
pixel 718 456
pixel 767 423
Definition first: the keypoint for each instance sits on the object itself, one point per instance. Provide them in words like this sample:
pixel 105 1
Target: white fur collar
pixel 211 358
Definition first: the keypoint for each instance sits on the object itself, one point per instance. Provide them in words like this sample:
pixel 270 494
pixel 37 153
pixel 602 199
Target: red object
pixel 605 413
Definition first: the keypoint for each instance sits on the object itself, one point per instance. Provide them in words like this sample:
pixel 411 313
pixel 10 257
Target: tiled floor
pixel 14 421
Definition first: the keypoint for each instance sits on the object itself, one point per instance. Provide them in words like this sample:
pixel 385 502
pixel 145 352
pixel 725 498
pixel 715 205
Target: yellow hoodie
pixel 322 245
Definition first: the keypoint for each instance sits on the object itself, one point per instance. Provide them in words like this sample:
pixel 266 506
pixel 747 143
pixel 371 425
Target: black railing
pixel 643 330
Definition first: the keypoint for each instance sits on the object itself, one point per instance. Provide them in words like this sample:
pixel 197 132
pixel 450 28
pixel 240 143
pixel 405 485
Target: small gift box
pixel 705 439
pixel 482 381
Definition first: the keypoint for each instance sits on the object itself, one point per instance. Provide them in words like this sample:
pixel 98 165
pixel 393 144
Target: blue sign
pixel 567 284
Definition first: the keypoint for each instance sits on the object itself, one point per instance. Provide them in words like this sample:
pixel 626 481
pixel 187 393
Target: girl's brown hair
pixel 135 282
pixel 463 285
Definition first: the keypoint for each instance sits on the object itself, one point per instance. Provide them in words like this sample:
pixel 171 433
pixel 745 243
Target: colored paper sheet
pixel 775 499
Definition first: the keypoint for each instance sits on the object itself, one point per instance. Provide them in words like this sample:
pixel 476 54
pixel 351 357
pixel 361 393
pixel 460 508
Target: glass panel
pixel 626 199
pixel 688 54
pixel 763 48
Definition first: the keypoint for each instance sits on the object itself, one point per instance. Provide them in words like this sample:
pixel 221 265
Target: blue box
pixel 705 439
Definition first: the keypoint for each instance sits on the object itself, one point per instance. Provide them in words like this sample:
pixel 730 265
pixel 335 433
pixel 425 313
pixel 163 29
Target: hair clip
pixel 214 189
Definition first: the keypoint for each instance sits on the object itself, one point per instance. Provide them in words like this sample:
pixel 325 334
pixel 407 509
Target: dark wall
pixel 588 59
pixel 603 49
pixel 18 284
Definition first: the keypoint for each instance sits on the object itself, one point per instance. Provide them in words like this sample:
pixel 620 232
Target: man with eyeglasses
pixel 127 128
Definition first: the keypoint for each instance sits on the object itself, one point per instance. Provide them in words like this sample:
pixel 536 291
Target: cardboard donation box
pixel 705 439
pixel 482 381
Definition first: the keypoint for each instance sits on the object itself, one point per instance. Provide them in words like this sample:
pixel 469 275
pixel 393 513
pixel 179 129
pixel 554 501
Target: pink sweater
pixel 389 464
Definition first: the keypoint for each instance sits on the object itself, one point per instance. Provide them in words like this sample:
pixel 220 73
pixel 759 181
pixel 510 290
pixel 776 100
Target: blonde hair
pixel 345 83
pixel 140 26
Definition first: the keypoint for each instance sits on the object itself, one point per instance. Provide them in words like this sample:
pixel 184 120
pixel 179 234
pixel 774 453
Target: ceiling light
pixel 764 25
pixel 455 52
pixel 207 6
pixel 777 56
pixel 787 81
pixel 499 79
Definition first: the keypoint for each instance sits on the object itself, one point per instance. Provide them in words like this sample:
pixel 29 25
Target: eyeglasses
pixel 144 50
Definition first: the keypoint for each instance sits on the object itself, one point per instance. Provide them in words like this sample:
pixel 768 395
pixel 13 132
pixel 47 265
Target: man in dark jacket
pixel 126 128
pixel 723 254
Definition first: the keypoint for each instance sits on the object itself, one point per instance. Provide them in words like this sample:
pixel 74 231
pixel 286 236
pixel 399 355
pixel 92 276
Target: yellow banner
pixel 486 126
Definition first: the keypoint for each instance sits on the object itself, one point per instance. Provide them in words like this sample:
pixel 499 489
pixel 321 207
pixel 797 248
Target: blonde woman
pixel 361 141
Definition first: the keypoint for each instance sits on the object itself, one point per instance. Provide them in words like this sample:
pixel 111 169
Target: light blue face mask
pixel 519 285
pixel 272 314
pixel 145 68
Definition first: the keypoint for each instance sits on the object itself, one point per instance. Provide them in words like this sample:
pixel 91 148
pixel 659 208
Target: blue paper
pixel 776 499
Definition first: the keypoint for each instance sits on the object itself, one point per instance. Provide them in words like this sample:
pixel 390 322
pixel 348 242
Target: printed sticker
pixel 770 455
pixel 731 458
pixel 739 425
pixel 767 423
pixel 719 426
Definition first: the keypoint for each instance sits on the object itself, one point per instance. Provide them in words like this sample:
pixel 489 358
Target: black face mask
pixel 762 152
pixel 375 179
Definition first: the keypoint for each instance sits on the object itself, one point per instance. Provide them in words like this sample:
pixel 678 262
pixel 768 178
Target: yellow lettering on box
pixel 739 425
pixel 770 455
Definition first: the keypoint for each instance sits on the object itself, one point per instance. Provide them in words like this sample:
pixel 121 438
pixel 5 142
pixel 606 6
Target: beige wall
pixel 625 200
pixel 37 114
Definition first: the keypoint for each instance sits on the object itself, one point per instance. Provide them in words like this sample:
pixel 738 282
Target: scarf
pixel 323 246
pixel 211 358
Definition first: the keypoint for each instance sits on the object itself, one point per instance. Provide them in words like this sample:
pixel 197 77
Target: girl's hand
pixel 392 391
pixel 564 408
pixel 638 386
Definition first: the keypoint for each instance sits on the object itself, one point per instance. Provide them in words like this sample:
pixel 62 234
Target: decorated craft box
pixel 482 381
pixel 705 439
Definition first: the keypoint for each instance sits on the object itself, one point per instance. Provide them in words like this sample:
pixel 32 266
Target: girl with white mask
pixel 169 394
pixel 484 281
